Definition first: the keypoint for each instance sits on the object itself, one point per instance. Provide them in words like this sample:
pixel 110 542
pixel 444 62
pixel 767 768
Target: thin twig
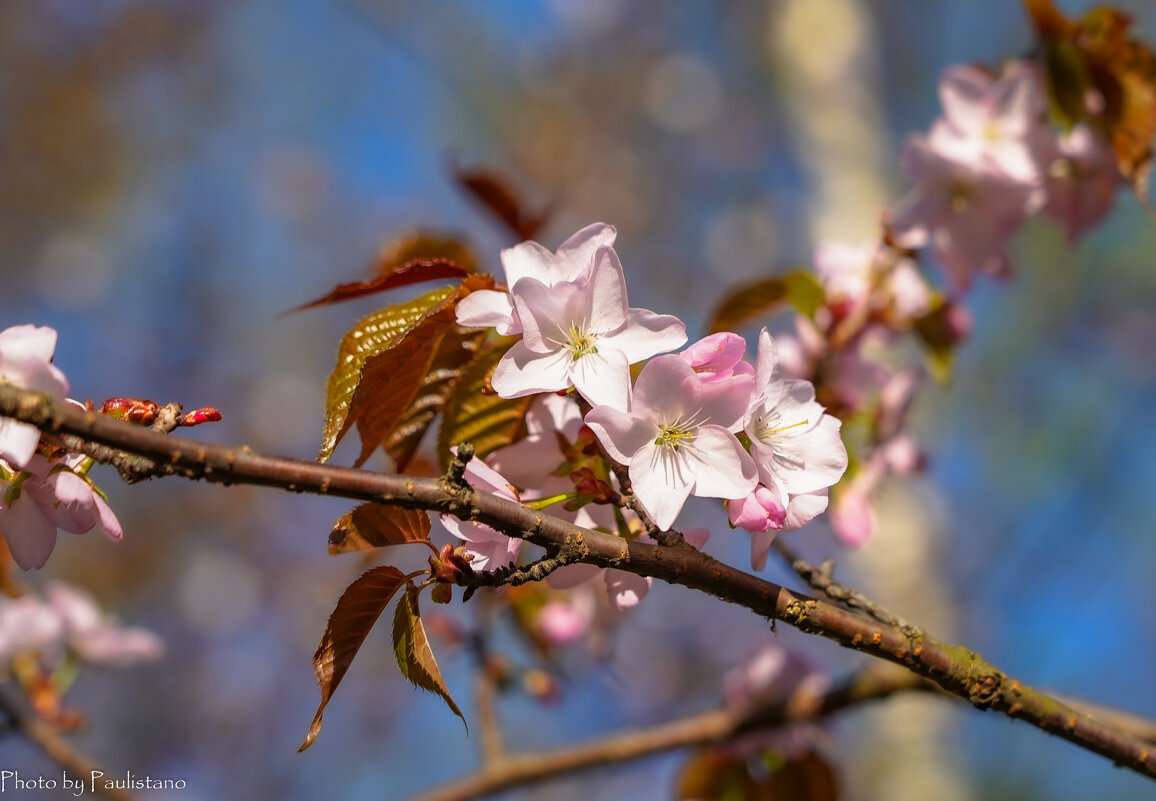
pixel 956 670
pixel 821 579
pixel 59 750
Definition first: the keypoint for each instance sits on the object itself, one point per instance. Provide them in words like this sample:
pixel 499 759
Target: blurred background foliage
pixel 173 175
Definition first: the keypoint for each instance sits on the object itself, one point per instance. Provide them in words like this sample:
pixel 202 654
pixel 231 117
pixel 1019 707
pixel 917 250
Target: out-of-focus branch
pixel 59 750
pixel 717 726
pixel 956 670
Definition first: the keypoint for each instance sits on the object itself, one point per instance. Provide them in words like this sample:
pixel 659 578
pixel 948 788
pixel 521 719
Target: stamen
pixel 580 343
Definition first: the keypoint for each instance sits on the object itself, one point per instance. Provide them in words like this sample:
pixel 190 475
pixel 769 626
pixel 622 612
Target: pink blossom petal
pixel 522 372
pixel 626 589
pixel 18 441
pixel 35 343
pixel 761 542
pixel 722 468
pixel 30 535
pixel 662 483
pixel 620 433
pixel 487 308
pixel 804 508
pixel 645 334
pixel 570 576
pixel 602 378
pixel 528 260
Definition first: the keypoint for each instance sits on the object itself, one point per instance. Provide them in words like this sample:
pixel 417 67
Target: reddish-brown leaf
pixel 1098 53
pixel 411 272
pixel 372 334
pixel 372 525
pixel 714 774
pixel 494 194
pixel 357 610
pixel 405 385
pixel 456 349
pixel 414 655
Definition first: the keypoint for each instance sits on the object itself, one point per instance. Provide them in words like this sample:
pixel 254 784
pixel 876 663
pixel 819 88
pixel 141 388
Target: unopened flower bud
pixel 206 414
pixel 133 410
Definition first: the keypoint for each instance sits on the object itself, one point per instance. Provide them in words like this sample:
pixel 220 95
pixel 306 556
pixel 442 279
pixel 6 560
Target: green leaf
pixel 372 525
pixel 760 298
pixel 372 334
pixel 357 610
pixel 474 413
pixel 804 292
pixel 413 652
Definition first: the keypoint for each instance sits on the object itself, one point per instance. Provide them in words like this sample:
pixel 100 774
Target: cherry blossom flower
pixel 489 308
pixel 965 216
pixel 868 277
pixel 992 125
pixel 769 674
pixel 565 621
pixel 794 443
pixel 1081 181
pixel 583 334
pixel 94 636
pixel 27 625
pixel 43 498
pixel 26 362
pixel 677 437
pixel 489 547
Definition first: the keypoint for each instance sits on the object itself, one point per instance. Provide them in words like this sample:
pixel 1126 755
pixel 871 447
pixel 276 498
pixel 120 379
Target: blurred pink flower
pixel 1081 181
pixel 992 125
pixel 770 674
pixel 96 637
pixel 563 622
pixel 27 625
pixel 964 215
pixel 26 362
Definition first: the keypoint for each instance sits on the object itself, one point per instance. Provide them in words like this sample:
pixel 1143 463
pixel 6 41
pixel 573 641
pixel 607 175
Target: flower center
pixel 959 197
pixel 673 435
pixel 767 426
pixel 580 343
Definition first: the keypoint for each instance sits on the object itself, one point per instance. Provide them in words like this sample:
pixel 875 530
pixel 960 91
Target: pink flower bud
pixel 760 511
pixel 718 356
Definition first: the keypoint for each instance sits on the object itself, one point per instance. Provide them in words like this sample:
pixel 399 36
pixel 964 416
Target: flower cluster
pixel 702 422
pixel 42 489
pixel 991 161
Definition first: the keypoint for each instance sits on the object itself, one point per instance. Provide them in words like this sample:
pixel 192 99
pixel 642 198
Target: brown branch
pixel 955 669
pixel 59 750
pixel 716 726
pixel 822 579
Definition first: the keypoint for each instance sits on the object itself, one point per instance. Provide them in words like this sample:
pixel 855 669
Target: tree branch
pixel 59 750
pixel 716 726
pixel 956 670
